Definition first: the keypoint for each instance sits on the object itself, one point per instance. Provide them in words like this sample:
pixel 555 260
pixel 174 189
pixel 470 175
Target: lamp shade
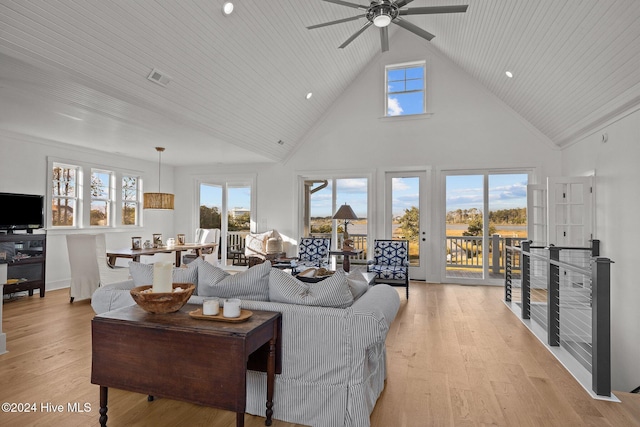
pixel 345 212
pixel 158 201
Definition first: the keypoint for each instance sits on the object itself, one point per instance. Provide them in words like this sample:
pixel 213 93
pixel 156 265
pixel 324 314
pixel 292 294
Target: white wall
pixel 617 205
pixel 23 169
pixel 468 128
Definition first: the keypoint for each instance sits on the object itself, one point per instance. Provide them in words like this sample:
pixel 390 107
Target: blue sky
pixel 506 191
pixel 350 191
pixel 239 197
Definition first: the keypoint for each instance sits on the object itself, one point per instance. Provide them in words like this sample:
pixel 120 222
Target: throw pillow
pixel 357 284
pixel 251 284
pixel 331 292
pixel 142 274
pixel 255 244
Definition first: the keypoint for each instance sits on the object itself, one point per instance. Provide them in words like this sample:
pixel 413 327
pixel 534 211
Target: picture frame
pixel 136 243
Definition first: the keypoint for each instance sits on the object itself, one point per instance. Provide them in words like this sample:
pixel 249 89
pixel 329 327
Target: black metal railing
pixel 566 290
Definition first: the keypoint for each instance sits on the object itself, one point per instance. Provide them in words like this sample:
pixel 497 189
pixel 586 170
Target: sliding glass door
pixel 474 241
pixel 229 207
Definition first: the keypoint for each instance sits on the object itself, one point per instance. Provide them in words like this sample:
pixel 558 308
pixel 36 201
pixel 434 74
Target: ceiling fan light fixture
pixel 382 20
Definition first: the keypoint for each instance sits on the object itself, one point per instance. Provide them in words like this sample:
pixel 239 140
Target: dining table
pixel 135 254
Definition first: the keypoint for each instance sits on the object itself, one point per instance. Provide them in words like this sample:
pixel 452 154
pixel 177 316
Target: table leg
pixel 178 258
pixel 346 264
pixel 271 375
pixel 103 406
pixel 111 261
pixel 239 419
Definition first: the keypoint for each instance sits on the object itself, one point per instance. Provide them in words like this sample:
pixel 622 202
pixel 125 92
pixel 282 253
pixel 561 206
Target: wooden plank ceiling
pixel 239 82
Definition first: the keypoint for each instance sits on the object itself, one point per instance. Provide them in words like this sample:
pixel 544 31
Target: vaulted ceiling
pixel 76 71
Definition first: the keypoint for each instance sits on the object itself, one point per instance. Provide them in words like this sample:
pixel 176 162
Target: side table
pixel 149 353
pixel 346 264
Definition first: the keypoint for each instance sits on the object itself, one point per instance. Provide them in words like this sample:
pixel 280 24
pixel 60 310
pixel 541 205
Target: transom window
pixel 405 89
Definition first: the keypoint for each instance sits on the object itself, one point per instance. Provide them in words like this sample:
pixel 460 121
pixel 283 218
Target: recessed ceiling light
pixel 227 8
pixel 509 74
pixel 309 95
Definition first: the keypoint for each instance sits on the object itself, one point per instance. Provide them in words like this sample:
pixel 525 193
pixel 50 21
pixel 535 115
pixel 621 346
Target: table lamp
pixel 345 213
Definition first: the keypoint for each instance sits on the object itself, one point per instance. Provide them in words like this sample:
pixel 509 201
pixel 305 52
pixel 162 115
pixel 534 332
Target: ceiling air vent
pixel 159 77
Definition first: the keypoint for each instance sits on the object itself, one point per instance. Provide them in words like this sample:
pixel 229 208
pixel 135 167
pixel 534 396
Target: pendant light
pixel 158 200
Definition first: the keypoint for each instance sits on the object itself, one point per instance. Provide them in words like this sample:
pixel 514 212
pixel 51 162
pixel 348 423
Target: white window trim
pixel 83 218
pixel 138 201
pixel 333 176
pixel 425 113
pixel 226 181
pixel 109 199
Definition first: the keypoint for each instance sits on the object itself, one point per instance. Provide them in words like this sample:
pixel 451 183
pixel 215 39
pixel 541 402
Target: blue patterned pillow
pixel 142 274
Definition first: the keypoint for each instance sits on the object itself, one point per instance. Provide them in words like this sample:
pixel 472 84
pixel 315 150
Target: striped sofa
pixel 333 359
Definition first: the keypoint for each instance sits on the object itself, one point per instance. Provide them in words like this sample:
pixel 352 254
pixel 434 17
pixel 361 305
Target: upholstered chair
pixel 390 263
pixel 313 252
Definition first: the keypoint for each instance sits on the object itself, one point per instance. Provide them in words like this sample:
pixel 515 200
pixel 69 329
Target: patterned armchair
pixel 390 262
pixel 313 252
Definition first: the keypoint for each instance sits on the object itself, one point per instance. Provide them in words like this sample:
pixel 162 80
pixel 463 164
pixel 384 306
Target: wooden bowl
pixel 162 302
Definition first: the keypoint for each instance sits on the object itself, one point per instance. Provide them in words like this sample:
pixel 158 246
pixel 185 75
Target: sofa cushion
pixel 358 285
pixel 252 283
pixel 331 292
pixel 142 274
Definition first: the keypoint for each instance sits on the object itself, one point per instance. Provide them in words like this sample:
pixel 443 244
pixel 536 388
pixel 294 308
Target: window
pixel 229 206
pixel 130 200
pixel 101 196
pixel 64 195
pixel 405 89
pixel 323 197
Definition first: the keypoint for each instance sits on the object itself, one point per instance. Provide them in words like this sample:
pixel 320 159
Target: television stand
pixel 25 256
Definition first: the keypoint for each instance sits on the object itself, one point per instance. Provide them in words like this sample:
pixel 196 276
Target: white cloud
pixel 393 107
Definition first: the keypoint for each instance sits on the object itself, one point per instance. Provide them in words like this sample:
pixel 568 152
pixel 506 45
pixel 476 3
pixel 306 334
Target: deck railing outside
pixel 466 252
pixel 462 251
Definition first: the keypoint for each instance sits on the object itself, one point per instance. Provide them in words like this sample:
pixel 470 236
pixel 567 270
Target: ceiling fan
pixel 381 13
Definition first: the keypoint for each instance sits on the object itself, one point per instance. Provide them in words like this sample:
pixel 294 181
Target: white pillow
pixel 358 285
pixel 331 292
pixel 255 244
pixel 142 274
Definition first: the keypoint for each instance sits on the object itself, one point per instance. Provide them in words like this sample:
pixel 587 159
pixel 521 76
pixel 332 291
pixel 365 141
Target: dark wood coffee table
pixel 179 357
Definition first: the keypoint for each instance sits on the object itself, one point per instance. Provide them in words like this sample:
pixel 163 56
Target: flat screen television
pixel 21 211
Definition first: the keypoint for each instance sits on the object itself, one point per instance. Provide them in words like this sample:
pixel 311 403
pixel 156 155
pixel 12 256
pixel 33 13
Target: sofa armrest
pixel 380 299
pixel 111 296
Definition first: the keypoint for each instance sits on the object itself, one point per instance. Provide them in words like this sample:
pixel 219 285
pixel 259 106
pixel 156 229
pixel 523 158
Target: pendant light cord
pixel 159 150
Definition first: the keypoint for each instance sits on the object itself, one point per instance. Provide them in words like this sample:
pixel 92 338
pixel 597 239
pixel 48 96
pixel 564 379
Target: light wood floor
pixel 457 357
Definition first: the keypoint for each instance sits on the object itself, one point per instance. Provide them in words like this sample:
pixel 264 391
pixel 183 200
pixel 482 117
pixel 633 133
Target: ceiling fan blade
pixel 402 3
pixel 429 10
pixel 413 28
pixel 384 38
pixel 346 3
pixel 339 21
pixel 356 34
